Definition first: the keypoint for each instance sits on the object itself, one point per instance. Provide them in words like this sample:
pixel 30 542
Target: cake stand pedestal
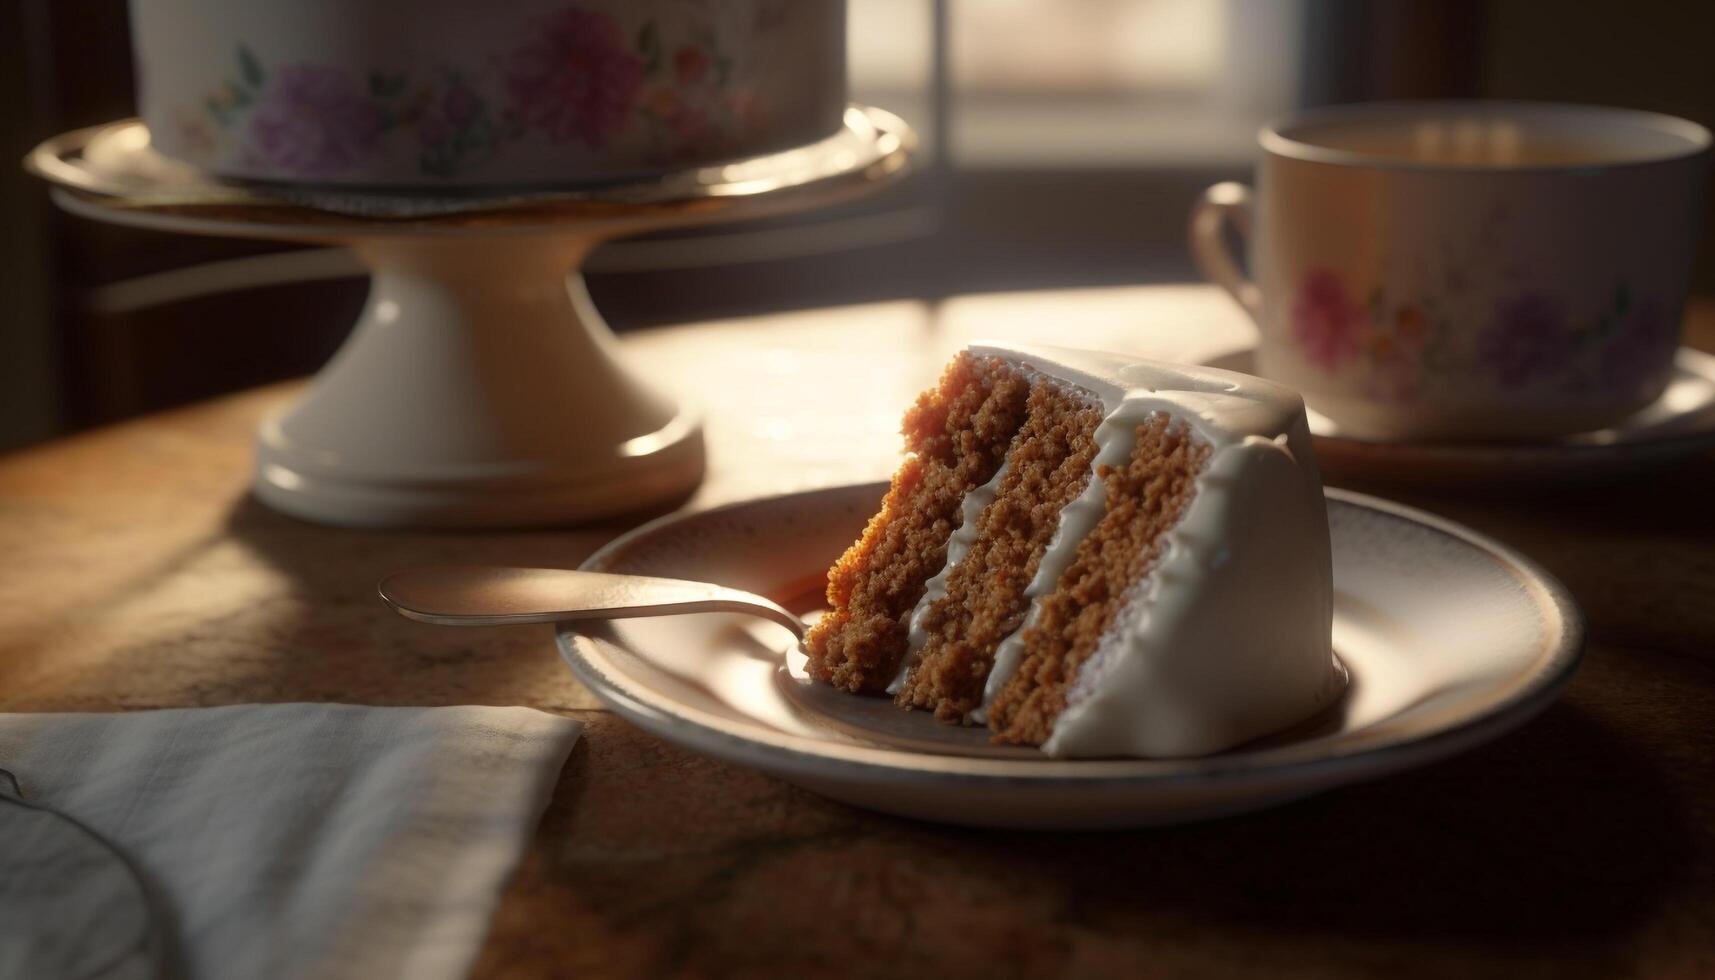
pixel 480 387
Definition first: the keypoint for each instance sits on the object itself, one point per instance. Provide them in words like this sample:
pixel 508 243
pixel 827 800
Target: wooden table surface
pixel 139 574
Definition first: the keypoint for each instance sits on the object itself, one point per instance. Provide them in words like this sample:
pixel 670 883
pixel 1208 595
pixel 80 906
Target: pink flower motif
pixel 575 79
pixel 1639 350
pixel 314 121
pixel 1325 321
pixel 1527 340
pixel 687 128
pixel 690 64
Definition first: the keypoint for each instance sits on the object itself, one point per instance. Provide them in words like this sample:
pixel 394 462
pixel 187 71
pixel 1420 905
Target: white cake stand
pixel 479 386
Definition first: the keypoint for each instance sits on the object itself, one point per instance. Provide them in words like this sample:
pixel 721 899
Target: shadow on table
pixel 327 636
pixel 295 546
pixel 1544 853
pixel 1554 837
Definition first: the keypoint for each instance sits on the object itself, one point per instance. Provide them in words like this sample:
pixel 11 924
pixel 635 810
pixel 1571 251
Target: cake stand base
pixel 479 388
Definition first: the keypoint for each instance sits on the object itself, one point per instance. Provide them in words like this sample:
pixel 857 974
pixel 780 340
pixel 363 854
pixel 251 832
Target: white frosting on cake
pixel 1228 637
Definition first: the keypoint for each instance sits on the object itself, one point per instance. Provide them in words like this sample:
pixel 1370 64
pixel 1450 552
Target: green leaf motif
pixel 249 67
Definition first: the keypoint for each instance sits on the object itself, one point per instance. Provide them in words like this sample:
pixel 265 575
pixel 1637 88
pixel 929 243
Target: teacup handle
pixel 1224 202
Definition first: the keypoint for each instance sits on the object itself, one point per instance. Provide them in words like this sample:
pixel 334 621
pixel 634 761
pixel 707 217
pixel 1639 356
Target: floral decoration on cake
pixel 573 78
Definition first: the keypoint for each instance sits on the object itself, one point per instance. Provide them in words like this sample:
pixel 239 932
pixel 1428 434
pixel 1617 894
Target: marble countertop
pixel 139 574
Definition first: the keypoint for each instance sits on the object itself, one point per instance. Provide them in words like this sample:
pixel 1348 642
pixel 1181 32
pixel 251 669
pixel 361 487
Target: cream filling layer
pixel 958 546
pixel 1115 439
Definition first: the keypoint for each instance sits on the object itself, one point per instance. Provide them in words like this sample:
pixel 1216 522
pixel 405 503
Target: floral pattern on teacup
pixel 1634 352
pixel 1326 323
pixel 574 79
pixel 1528 340
pixel 1396 350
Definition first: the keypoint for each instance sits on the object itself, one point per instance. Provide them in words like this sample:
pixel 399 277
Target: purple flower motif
pixel 1527 340
pixel 1325 321
pixel 575 79
pixel 314 121
pixel 1639 350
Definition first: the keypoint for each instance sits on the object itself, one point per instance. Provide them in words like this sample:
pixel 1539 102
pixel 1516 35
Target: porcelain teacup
pixel 1465 270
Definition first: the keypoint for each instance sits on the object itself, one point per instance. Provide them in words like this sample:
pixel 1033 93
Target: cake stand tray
pixel 480 387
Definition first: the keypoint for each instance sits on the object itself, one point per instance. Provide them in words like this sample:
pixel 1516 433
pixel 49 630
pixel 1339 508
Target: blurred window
pixel 1054 83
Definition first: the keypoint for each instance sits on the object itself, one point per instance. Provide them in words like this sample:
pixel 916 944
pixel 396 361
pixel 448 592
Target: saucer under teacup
pixel 1678 425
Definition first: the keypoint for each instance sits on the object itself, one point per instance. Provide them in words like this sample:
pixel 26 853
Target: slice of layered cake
pixel 1093 554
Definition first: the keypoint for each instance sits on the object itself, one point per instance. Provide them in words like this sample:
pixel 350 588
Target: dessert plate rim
pixel 1280 771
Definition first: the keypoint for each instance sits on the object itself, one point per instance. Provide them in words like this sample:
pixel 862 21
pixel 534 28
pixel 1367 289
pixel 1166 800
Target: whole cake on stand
pixel 472 155
pixel 464 94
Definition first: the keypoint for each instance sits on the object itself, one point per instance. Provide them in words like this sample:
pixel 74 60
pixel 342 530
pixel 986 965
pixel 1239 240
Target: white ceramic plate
pixel 1679 424
pixel 1450 638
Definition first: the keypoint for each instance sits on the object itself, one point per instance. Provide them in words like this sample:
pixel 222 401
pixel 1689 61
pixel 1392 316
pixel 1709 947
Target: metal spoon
pixel 483 595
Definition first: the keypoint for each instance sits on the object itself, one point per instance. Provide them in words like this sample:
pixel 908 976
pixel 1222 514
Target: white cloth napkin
pixel 287 840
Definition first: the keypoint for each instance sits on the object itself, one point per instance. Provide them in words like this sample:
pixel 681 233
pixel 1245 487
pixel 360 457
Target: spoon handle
pixel 482 595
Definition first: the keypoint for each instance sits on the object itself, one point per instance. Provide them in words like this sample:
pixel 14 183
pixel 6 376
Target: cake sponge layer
pixel 957 436
pixel 984 600
pixel 1145 498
